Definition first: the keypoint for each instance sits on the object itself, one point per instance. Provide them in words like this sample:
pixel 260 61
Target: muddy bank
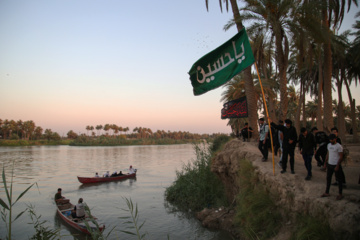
pixel 290 191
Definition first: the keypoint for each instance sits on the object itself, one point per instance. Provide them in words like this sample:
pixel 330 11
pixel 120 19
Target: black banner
pixel 235 109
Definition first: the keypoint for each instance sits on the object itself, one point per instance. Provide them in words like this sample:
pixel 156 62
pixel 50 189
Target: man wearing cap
pixel 333 161
pixel 263 143
pixel 289 143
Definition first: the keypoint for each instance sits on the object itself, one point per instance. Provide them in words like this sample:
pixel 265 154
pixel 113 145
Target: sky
pixel 72 63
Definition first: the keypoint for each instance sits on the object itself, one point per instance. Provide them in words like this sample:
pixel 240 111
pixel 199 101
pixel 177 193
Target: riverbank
pixel 292 194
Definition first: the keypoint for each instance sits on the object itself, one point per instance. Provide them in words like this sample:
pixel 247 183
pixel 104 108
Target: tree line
pixel 296 45
pixel 27 130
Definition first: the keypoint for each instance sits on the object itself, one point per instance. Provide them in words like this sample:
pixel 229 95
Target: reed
pixel 7 208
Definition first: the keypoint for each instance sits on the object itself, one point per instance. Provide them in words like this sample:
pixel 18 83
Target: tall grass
pixel 308 227
pixel 7 208
pixel 256 214
pixel 196 187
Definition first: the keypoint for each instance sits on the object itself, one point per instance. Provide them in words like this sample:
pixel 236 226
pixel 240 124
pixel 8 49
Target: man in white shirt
pixel 79 209
pixel 333 161
pixel 131 170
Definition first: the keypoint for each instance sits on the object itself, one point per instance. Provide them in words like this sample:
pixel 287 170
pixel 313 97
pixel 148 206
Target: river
pixel 52 167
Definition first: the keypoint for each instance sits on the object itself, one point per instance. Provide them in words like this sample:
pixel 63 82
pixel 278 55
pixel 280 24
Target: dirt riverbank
pixel 292 191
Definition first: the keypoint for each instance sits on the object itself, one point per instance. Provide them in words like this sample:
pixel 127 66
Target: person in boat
pixel 59 199
pixel 79 210
pixel 114 174
pixel 107 174
pixel 131 170
pixel 97 175
pixel 120 173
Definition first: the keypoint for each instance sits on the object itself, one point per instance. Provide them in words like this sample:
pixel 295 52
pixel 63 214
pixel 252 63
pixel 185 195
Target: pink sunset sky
pixel 68 64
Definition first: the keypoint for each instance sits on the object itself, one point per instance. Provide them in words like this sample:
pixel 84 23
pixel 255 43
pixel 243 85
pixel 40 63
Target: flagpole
pixel 268 119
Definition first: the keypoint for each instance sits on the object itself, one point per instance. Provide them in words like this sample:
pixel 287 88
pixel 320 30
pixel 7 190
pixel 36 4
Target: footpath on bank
pixel 292 191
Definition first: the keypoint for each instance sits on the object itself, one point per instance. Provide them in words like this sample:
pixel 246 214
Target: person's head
pixel 314 130
pixel 303 131
pixel 281 122
pixel 288 123
pixel 261 121
pixel 332 138
pixel 59 190
pixel 96 173
pixel 80 200
pixel 130 166
pixel 246 124
pixel 335 131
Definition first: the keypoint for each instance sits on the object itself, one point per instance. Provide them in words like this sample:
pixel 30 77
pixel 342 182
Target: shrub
pixel 257 215
pixel 196 186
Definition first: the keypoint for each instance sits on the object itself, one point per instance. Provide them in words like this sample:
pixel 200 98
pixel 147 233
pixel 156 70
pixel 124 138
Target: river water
pixel 52 167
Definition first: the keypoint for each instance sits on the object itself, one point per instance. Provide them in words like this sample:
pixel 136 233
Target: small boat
pixel 64 210
pixel 105 179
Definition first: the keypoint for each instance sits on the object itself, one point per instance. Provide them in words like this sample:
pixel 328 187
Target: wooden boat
pixel 105 179
pixel 64 210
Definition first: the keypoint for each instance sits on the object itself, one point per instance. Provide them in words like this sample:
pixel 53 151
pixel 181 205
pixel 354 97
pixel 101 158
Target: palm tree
pixel 276 17
pixel 332 14
pixel 98 128
pixel 248 80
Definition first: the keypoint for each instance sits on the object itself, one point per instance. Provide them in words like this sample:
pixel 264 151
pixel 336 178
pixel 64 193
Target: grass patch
pixel 196 187
pixel 257 215
pixel 308 227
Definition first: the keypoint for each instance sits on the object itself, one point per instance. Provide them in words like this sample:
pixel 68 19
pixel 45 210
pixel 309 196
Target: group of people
pixel 327 149
pixel 79 208
pixel 116 174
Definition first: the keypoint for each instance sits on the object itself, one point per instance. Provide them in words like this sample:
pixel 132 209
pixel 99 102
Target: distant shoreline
pixel 93 142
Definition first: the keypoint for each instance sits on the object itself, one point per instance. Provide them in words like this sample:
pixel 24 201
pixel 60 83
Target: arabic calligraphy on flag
pixel 220 65
pixel 235 109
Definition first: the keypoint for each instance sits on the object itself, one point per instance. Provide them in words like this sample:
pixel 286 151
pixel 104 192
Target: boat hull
pixel 85 180
pixel 64 212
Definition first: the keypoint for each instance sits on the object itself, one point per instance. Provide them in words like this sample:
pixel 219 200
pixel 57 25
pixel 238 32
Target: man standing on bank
pixel 289 143
pixel 307 146
pixel 263 143
pixel 333 161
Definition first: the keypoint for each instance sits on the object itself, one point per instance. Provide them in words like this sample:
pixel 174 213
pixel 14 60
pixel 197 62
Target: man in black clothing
pixel 322 139
pixel 246 132
pixel 307 146
pixel 289 143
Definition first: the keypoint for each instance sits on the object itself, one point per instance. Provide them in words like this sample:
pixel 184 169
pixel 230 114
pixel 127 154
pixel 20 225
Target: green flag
pixel 219 66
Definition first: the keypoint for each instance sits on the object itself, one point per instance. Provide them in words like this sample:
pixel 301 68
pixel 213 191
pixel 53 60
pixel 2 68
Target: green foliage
pixel 22 142
pixel 257 215
pixel 196 186
pixel 121 140
pixel 133 223
pixel 8 207
pixel 308 227
pixel 41 232
pixel 219 141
